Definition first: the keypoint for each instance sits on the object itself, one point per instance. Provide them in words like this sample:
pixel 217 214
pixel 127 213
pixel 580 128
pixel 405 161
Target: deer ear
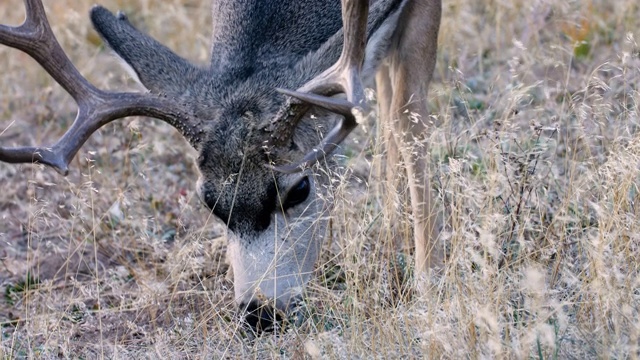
pixel 378 46
pixel 155 66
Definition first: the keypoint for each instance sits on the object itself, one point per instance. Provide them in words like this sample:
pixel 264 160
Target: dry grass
pixel 536 159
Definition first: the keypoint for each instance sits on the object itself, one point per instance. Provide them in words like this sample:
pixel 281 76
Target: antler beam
pixel 95 107
pixel 342 77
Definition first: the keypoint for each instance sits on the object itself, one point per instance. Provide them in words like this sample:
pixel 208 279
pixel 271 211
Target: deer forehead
pixel 235 183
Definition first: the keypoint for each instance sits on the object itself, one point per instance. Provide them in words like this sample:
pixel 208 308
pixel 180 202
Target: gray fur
pixel 257 45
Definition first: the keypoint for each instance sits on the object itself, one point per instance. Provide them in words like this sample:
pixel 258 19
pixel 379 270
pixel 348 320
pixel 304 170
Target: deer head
pixel 257 142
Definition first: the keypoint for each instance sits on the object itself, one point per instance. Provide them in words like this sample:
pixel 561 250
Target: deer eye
pixel 298 194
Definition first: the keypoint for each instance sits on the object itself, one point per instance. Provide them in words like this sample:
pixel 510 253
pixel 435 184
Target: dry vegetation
pixel 535 159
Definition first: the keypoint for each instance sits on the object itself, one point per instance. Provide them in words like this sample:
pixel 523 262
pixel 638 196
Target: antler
pixel 342 77
pixel 95 107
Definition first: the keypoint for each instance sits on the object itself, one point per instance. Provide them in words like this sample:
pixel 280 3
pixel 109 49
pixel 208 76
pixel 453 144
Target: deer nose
pixel 261 317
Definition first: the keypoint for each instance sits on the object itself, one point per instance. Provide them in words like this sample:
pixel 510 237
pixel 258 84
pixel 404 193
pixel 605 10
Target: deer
pixel 285 86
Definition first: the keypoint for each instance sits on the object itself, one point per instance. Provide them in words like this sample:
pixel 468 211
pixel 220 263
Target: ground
pixel 535 155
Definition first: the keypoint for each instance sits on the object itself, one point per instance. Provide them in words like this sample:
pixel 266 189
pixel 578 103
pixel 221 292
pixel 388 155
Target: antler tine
pixel 332 139
pixel 95 107
pixel 343 76
pixel 35 38
pixel 89 119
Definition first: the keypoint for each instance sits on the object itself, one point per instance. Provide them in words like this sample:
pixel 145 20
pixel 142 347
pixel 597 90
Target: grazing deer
pixel 258 142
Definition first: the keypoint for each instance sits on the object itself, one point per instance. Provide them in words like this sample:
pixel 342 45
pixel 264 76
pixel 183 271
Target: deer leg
pixel 392 189
pixel 411 67
pixel 385 96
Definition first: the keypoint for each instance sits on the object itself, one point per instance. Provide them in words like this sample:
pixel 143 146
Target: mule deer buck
pixel 257 139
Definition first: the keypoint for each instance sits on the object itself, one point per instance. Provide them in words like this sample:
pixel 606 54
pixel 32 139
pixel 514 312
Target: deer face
pixel 276 221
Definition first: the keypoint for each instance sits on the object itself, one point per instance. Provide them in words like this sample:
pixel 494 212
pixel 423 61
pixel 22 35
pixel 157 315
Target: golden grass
pixel 535 160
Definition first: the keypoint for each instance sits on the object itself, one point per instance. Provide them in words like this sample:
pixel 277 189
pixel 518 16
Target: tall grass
pixel 536 160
